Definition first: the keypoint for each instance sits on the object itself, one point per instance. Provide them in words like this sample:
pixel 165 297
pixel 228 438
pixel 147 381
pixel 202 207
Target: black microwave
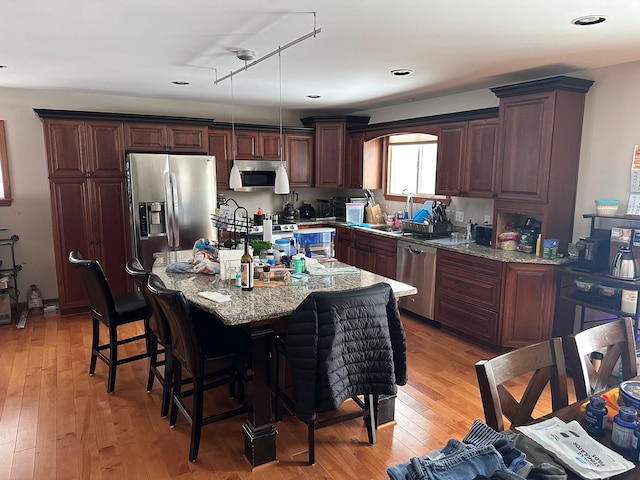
pixel 257 174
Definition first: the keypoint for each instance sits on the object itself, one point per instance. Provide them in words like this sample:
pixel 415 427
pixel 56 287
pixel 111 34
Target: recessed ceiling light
pixel 313 96
pixel 401 72
pixel 589 20
pixel 180 82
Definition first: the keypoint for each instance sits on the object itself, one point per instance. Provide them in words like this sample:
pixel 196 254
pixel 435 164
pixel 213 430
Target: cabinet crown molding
pixel 122 117
pixel 569 84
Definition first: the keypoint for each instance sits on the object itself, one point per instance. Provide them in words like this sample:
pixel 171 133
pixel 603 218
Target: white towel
pixel 215 296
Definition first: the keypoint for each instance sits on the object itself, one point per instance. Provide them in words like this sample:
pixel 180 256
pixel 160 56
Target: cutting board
pixel 373 214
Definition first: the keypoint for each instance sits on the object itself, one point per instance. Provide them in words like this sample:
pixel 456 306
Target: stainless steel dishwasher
pixel 417 267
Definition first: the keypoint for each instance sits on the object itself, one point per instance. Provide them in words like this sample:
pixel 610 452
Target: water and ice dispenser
pixel 152 219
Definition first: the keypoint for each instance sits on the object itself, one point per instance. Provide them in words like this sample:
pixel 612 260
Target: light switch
pixel 487 219
pixel 459 216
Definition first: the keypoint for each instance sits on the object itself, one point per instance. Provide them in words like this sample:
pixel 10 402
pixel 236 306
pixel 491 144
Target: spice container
pixel 550 248
pixel 595 417
pixel 623 432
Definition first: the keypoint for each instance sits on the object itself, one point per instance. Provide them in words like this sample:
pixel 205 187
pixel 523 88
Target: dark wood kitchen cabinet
pixel 363 164
pixel 468 294
pixel 220 147
pixel 529 304
pixel 539 140
pixel 158 137
pixel 298 154
pixel 466 156
pixel 509 305
pixel 331 147
pixel 375 253
pixel 344 247
pixel 256 145
pixel 88 202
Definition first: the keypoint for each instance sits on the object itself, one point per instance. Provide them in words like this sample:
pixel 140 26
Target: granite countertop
pixel 263 302
pixel 465 248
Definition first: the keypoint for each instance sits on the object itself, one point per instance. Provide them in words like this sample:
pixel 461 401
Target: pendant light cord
pixel 280 103
pixel 233 124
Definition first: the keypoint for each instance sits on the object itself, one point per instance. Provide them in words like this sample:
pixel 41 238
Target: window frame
pixel 6 199
pixel 387 167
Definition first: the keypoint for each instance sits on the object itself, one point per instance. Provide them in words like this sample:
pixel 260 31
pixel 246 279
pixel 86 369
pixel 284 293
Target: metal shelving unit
pixel 11 273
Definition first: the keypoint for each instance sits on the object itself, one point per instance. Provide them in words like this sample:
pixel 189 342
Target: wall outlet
pixel 459 216
pixel 487 219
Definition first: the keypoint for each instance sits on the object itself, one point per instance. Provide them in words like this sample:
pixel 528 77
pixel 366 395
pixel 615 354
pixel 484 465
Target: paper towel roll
pixel 266 230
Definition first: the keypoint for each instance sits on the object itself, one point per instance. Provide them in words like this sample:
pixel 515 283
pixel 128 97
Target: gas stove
pixel 282 228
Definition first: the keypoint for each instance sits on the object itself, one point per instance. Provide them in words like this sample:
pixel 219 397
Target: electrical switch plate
pixel 487 219
pixel 459 216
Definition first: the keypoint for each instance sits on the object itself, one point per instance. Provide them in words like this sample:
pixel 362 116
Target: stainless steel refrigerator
pixel 171 198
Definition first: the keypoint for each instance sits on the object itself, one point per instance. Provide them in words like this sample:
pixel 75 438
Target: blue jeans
pixel 457 461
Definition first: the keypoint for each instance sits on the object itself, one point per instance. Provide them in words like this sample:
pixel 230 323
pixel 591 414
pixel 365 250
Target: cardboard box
pixel 5 309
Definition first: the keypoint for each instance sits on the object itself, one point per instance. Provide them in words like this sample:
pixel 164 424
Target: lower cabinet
pixel 504 304
pixel 367 251
pixel 468 294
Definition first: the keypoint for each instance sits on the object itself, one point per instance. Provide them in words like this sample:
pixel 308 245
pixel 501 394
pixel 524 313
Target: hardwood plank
pixel 56 420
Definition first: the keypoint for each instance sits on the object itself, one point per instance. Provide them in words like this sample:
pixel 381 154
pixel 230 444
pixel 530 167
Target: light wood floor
pixel 58 422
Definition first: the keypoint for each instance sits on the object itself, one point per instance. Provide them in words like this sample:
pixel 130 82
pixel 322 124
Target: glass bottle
pixel 246 269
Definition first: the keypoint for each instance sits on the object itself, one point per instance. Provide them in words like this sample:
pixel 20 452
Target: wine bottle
pixel 246 269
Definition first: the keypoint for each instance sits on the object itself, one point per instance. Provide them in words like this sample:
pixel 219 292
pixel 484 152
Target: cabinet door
pixel 524 148
pixel 269 146
pixel 246 145
pixel 187 139
pixel 477 322
pixel 354 172
pixel 219 145
pixel 385 263
pixel 299 157
pixel 72 230
pixel 106 148
pixel 529 302
pixel 109 217
pixel 66 147
pixel 141 137
pixel 330 153
pixel 344 249
pixel 482 143
pixel 452 141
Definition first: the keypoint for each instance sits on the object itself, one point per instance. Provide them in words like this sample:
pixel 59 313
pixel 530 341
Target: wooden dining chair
pixel 212 360
pixel 158 338
pixel 340 346
pixel 544 360
pixel 615 340
pixel 112 312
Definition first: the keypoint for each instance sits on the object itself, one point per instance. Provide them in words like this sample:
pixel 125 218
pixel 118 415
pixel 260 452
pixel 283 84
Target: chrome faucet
pixel 409 205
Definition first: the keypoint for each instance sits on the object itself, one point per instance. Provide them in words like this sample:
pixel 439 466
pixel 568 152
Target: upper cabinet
pixel 363 165
pixel 299 158
pixel 157 137
pixel 220 147
pixel 331 147
pixel 539 140
pixel 466 156
pixel 250 145
pixel 84 148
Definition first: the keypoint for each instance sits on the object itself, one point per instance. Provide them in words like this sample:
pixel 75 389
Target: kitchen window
pixel 411 166
pixel 5 185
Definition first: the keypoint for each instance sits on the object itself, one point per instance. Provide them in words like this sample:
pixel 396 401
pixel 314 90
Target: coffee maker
pixel 593 254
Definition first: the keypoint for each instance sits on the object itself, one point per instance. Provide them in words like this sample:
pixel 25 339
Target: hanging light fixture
pixel 234 176
pixel 282 179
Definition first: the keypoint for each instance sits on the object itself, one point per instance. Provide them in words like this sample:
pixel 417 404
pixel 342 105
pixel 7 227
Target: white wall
pixel 611 129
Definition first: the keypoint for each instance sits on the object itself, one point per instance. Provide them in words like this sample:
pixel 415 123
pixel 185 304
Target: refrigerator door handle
pixel 170 216
pixel 175 210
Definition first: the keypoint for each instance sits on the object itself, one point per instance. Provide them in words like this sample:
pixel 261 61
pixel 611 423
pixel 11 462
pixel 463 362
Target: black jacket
pixel 343 344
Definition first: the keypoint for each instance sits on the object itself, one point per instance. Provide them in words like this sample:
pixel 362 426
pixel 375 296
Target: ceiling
pixel 138 47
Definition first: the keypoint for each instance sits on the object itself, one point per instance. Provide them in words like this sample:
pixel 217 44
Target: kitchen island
pixel 262 313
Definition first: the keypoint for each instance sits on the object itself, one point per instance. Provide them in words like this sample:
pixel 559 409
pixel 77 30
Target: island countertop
pixel 263 302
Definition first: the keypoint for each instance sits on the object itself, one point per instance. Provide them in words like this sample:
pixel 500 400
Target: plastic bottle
pixel 35 303
pixel 246 269
pixel 595 417
pixel 623 432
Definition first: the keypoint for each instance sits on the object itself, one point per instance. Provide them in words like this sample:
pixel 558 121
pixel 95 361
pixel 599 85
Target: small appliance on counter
pixel 624 265
pixel 307 210
pixel 484 234
pixel 593 254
